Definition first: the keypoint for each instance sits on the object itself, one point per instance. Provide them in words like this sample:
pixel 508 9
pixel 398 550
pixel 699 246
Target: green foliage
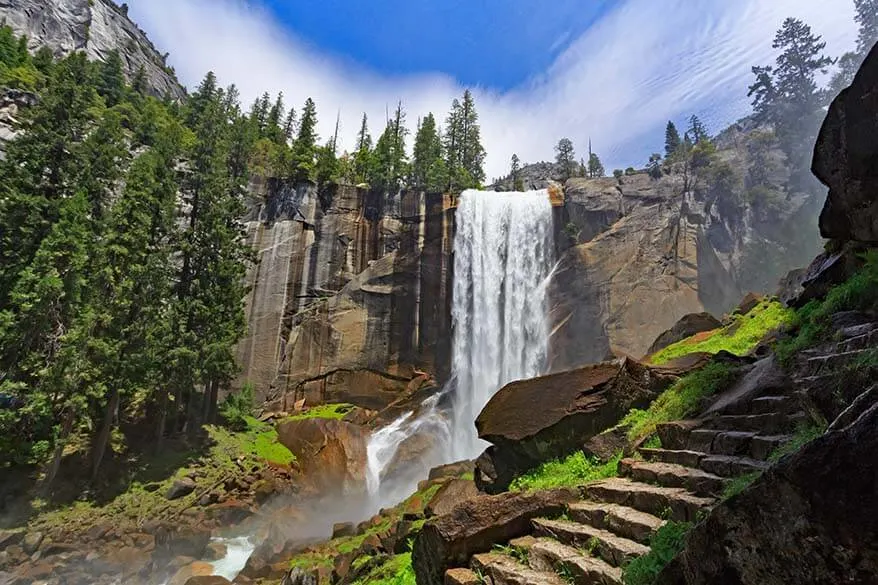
pixel 739 337
pixel 803 435
pixel 396 571
pixel 255 438
pixel 565 158
pixel 680 400
pixel 17 69
pixel 665 544
pixel 739 484
pixel 464 153
pixel 238 407
pixel 577 469
pixel 330 411
pixel 672 140
pixel 858 293
pixel 618 173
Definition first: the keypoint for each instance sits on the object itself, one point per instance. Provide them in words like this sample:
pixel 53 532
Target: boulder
pixel 330 453
pixel 196 569
pixel 456 469
pixel 749 302
pixel 476 525
pixel 215 551
pixel 208 580
pixel 531 421
pixel 827 270
pixel 685 328
pixel 180 488
pixel 343 529
pixel 811 518
pixel 450 495
pixel 845 156
pixel 298 577
pixel 407 462
pixel 32 541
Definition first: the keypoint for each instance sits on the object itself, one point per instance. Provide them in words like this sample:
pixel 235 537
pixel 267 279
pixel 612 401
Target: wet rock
pixel 826 271
pixel 606 445
pixel 180 488
pixel 844 159
pixel 476 525
pixel 331 454
pixel 686 327
pixel 215 551
pixel 452 470
pixel 298 577
pixel 10 538
pixel 811 518
pixel 196 569
pixel 450 495
pixel 749 302
pixel 32 541
pixel 531 421
pixel 343 529
pixel 407 463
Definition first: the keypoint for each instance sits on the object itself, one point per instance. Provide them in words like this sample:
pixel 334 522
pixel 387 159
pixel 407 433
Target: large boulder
pixel 331 453
pixel 846 159
pixel 827 270
pixel 531 421
pixel 812 518
pixel 450 495
pixel 689 325
pixel 476 525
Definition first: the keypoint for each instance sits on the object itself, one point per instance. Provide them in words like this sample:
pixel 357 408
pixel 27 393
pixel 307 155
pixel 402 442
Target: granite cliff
pixel 96 27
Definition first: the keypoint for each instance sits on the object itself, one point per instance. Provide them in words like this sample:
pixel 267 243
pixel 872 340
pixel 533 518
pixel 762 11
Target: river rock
pixel 531 421
pixel 330 453
pixel 215 551
pixel 32 541
pixel 844 159
pixel 476 525
pixel 450 495
pixel 180 488
pixel 686 327
pixel 196 569
pixel 811 518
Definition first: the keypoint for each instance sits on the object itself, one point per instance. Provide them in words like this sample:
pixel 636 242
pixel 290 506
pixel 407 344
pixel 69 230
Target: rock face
pixel 644 255
pixel 845 159
pixel 475 525
pixel 812 518
pixel 686 327
pixel 330 453
pixel 536 420
pixel 96 27
pixel 351 297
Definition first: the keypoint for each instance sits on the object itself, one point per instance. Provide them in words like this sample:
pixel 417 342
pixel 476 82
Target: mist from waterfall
pixel 503 252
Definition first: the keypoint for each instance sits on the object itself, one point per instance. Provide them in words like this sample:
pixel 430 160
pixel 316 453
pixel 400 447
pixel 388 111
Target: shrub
pixel 618 173
pixel 630 171
pixel 665 544
pixel 237 407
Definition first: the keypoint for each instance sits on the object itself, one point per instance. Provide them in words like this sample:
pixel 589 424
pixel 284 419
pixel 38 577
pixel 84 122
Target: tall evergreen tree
pixel 595 167
pixel 304 150
pixel 111 79
pixel 515 172
pixel 697 130
pixel 363 157
pixel 672 140
pixel 390 155
pixel 464 153
pixel 867 18
pixel 565 158
pixel 428 166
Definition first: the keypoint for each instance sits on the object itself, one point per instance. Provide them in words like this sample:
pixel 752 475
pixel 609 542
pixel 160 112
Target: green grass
pixel 396 571
pixel 739 484
pixel 577 469
pixel 679 401
pixel 803 435
pixel 739 337
pixel 259 440
pixel 813 321
pixel 665 544
pixel 330 411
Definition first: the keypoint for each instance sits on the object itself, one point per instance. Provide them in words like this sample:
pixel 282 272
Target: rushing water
pixel 503 253
pixel 238 550
pixel 502 259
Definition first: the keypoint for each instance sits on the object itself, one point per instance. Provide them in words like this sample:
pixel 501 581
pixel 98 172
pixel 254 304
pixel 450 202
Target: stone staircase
pixel 616 517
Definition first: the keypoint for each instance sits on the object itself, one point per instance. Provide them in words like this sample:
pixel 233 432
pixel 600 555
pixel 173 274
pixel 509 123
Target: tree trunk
pixel 100 446
pixel 161 419
pixel 66 428
pixel 192 422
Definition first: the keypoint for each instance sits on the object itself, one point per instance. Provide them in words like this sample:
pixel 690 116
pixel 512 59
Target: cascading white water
pixel 503 252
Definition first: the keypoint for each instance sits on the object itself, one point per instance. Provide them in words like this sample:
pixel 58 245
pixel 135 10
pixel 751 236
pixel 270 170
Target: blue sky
pixel 613 71
pixel 493 43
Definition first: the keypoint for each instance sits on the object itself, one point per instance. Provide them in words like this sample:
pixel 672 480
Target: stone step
pixel 546 554
pixel 731 465
pixel 833 362
pixel 461 577
pixel 738 443
pixel 767 423
pixel 614 549
pixel 663 502
pixel 500 569
pixel 622 520
pixel 767 404
pixel 860 342
pixel 693 479
pixel 674 435
pixel 721 465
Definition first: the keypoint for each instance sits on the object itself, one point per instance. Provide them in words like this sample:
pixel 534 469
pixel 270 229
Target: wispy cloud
pixel 642 63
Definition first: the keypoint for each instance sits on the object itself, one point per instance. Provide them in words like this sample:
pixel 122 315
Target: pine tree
pixel 672 140
pixel 867 18
pixel 427 164
pixel 274 121
pixel 697 130
pixel 363 156
pixel 304 150
pixel 787 96
pixel 595 167
pixel 565 158
pixel 111 80
pixel 390 156
pixel 464 153
pixel 515 170
pixel 654 167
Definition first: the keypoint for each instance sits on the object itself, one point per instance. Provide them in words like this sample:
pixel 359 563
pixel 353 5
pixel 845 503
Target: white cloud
pixel 644 62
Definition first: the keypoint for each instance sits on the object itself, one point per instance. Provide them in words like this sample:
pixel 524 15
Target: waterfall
pixel 503 251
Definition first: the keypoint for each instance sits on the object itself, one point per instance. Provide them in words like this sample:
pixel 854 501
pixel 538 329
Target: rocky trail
pixel 612 521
